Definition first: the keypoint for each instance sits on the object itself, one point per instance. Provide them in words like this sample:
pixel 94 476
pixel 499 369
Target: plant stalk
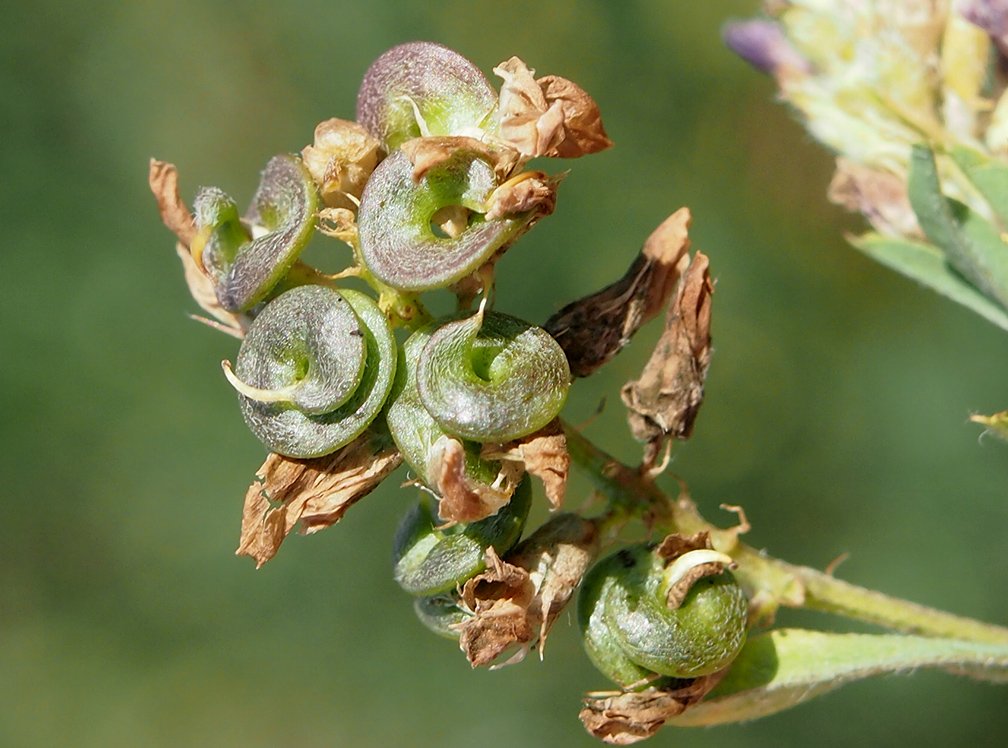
pixel 770 582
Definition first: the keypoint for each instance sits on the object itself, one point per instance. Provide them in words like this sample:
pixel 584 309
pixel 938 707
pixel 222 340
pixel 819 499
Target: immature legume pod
pixel 421 88
pixel 397 241
pixel 243 269
pixel 428 560
pixel 314 370
pixel 632 635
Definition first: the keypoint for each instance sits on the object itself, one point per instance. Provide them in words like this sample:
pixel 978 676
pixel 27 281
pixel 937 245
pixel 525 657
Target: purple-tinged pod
pixel 219 233
pixel 492 378
pixel 398 242
pixel 314 370
pixel 283 214
pixel 419 89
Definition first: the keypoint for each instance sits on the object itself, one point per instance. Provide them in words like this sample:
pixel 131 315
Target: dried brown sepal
pixel 204 294
pixel 557 556
pixel 163 179
pixel 628 718
pixel 340 160
pixel 431 152
pixel 550 116
pixel 582 120
pixel 315 492
pixel 880 196
pixel 499 599
pixel 462 500
pixel 530 192
pixel 665 400
pixel 595 328
pixel 542 454
pixel 674 546
pixel 338 223
pixel 516 601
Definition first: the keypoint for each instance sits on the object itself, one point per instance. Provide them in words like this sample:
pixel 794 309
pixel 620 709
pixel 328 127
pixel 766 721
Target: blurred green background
pixel 836 408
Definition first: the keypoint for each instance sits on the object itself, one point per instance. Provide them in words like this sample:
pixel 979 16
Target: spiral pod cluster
pixel 247 258
pixel 315 368
pixel 398 242
pixel 419 89
pixel 429 560
pixel 633 635
pixel 484 378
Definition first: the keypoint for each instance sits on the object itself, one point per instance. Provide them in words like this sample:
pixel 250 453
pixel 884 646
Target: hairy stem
pixel 770 582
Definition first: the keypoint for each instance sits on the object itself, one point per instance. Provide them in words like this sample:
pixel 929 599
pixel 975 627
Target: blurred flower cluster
pixel 911 96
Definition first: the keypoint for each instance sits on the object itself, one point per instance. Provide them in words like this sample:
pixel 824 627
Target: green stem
pixel 769 582
pixel 826 593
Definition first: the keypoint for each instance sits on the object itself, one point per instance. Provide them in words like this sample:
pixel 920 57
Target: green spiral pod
pixel 428 561
pixel 245 269
pixel 440 614
pixel 397 241
pixel 632 634
pixel 600 644
pixel 421 88
pixel 314 370
pixel 492 378
pixel 414 430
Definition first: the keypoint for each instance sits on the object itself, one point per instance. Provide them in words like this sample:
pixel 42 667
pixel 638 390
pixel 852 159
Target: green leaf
pixel 972 245
pixel 925 264
pixel 989 176
pixel 781 669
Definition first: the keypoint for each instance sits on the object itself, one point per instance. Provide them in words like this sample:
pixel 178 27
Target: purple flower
pixel 763 45
pixel 991 16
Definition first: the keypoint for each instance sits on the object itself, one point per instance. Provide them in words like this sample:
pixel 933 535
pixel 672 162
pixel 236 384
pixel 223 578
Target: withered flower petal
pixel 516 601
pixel 315 492
pixel 628 718
pixel 550 116
pixel 340 160
pixel 542 454
pixel 163 179
pixel 665 400
pixel 462 499
pixel 595 328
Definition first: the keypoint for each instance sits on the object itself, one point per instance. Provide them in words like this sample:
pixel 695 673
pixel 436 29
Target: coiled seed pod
pixel 244 270
pixel 428 561
pixel 414 429
pixel 220 233
pixel 314 370
pixel 398 244
pixel 492 378
pixel 441 614
pixel 421 88
pixel 632 633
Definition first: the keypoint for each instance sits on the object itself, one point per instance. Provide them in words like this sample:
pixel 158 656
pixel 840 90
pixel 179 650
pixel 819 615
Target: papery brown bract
pixel 628 718
pixel 340 159
pixel 665 400
pixel 543 454
pixel 596 327
pixel 315 492
pixel 550 116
